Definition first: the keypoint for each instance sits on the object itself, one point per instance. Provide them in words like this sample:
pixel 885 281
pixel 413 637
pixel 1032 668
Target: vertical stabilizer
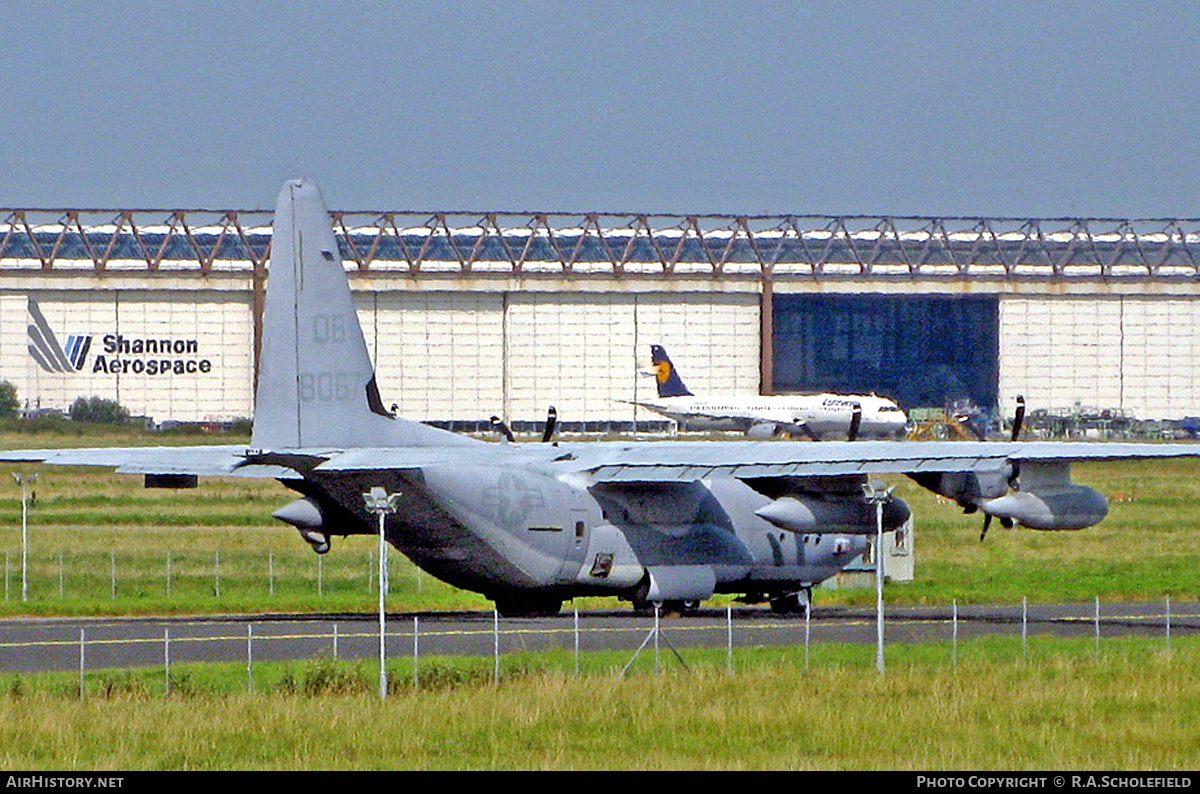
pixel 668 380
pixel 316 383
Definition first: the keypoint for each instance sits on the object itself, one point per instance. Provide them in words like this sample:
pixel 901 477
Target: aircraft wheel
pixel 644 607
pixel 683 607
pixel 789 603
pixel 527 607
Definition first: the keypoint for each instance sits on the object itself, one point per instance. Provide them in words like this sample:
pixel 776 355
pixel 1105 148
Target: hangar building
pixel 473 314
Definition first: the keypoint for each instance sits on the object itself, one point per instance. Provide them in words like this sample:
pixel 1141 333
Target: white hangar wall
pixel 168 354
pixel 1136 353
pixel 468 355
pixel 440 354
pixel 464 347
pixel 470 314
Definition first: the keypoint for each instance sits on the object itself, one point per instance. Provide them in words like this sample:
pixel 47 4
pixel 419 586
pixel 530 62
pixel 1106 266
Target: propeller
pixel 551 421
pixel 1019 417
pixel 1018 420
pixel 501 428
pixel 855 421
pixel 1007 523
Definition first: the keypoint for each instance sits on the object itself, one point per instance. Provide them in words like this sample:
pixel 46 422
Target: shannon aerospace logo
pixel 45 349
pixel 120 355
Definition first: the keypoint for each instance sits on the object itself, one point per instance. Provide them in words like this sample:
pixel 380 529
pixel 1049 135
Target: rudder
pixel 316 382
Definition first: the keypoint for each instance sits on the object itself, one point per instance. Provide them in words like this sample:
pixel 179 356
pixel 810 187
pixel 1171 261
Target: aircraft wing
pixel 687 461
pixel 209 460
pixel 667 462
pixel 615 462
pixel 692 413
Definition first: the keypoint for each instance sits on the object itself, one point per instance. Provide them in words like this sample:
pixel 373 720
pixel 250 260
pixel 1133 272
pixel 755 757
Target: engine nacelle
pixel 805 514
pixel 966 487
pixel 763 430
pixel 306 516
pixel 1055 507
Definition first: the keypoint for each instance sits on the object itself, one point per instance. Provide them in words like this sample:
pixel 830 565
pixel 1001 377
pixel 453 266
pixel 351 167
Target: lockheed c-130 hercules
pixel 531 525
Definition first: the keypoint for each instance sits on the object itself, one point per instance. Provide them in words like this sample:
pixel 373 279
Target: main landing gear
pixel 527 606
pixel 792 603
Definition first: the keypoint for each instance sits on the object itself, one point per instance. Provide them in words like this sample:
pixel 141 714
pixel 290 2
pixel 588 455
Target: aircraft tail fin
pixel 316 383
pixel 668 380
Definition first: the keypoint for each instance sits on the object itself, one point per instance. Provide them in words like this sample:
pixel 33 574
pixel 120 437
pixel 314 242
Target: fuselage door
pixel 576 543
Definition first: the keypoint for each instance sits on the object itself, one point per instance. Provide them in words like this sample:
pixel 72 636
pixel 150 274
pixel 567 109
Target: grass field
pixel 1133 707
pixel 100 543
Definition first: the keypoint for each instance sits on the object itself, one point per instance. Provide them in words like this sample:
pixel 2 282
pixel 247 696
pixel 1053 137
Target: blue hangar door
pixel 921 350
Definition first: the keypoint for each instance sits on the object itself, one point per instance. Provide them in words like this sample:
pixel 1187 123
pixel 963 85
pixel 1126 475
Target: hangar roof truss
pixel 763 247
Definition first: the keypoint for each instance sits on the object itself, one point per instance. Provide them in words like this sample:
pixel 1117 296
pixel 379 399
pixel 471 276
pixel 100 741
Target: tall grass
pixel 1131 708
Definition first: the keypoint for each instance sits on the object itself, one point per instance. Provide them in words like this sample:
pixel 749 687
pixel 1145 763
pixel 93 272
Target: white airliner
pixel 817 416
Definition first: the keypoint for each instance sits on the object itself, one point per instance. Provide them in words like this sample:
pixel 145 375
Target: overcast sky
pixel 1034 109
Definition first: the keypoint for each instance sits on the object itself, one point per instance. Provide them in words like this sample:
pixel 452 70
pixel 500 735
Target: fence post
pixel 954 635
pixel 728 639
pixel 496 646
pixel 250 657
pixel 82 644
pixel 807 628
pixel 416 651
pixel 1024 627
pixel 576 642
pixel 1097 628
pixel 656 639
pixel 1168 621
pixel 167 659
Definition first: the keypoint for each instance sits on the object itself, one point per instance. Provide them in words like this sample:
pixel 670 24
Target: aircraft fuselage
pixel 524 531
pixel 824 414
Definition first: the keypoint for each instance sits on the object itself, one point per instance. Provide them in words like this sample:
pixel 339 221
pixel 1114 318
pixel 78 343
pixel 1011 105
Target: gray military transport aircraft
pixel 530 525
